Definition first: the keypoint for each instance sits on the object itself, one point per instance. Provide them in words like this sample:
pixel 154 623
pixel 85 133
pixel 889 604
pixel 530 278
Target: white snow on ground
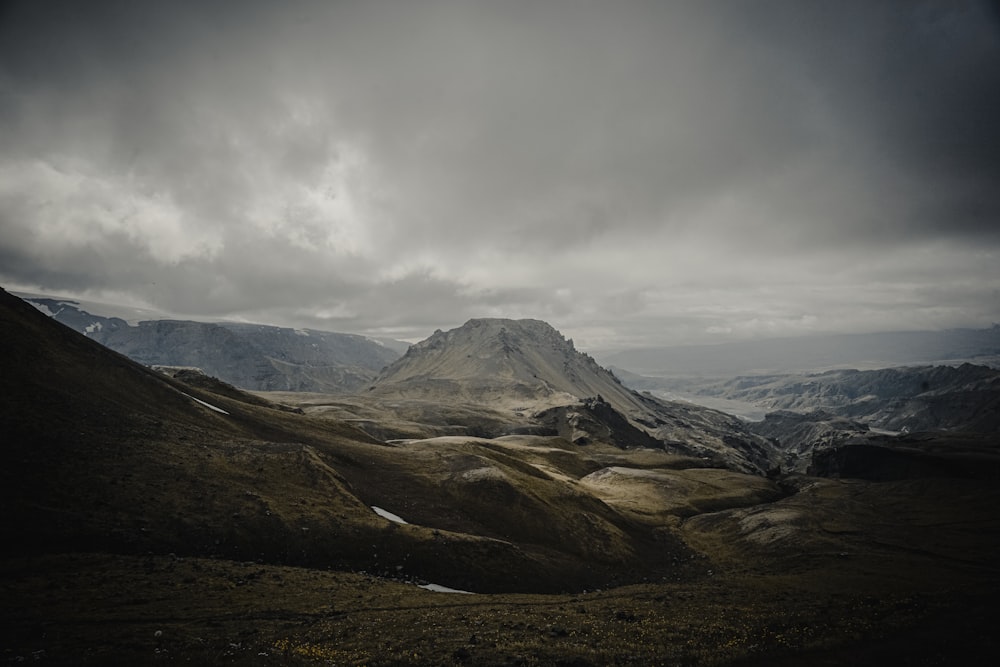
pixel 437 588
pixel 301 332
pixel 207 405
pixel 386 514
pixel 94 326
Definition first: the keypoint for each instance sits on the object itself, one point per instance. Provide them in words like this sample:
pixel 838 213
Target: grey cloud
pixel 404 164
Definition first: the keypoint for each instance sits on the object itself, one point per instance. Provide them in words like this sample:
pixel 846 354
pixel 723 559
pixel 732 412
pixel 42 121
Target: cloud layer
pixel 636 172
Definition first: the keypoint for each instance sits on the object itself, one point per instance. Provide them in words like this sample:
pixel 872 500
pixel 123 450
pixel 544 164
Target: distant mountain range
pixel 809 412
pixel 250 356
pixel 911 398
pixel 813 353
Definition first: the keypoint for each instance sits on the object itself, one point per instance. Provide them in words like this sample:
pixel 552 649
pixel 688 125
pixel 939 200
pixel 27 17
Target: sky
pixel 636 173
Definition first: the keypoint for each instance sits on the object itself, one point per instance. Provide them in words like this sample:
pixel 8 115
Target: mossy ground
pixel 109 609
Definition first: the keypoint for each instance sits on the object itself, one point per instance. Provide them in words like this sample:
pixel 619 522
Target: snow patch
pixel 301 332
pixel 207 405
pixel 93 326
pixel 386 514
pixel 437 588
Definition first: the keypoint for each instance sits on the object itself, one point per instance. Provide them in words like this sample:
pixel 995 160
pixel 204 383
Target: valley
pixel 806 413
pixel 592 524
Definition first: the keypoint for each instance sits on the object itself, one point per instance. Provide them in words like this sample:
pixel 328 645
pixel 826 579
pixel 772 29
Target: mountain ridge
pixel 250 356
pixel 812 353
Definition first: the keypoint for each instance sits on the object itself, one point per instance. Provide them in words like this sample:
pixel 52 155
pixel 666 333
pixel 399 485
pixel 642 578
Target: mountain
pixel 813 353
pixel 920 398
pixel 250 356
pixel 504 360
pixel 149 519
pixel 529 368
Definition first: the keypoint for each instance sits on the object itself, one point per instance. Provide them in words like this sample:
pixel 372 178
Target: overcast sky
pixel 635 173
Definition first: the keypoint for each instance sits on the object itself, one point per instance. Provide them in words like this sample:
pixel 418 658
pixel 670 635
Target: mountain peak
pixel 491 359
pixel 485 330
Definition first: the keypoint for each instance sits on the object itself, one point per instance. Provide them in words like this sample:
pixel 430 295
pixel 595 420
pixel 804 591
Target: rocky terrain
pixel 152 517
pixel 250 356
pixel 800 435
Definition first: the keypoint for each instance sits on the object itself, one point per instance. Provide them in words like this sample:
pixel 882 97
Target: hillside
pixel 109 454
pixel 250 356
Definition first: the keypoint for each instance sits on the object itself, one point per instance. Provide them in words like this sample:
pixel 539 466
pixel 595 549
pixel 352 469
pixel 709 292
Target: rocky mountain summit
pixel 250 356
pixel 530 369
pixel 503 360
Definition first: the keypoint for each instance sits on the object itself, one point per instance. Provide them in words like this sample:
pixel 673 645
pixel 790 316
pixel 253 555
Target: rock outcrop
pixel 799 435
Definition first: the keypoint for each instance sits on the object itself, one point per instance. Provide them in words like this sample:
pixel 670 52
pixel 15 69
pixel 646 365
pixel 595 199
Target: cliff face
pixel 917 456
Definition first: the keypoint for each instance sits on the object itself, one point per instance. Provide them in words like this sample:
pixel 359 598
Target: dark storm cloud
pixel 911 89
pixel 632 170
